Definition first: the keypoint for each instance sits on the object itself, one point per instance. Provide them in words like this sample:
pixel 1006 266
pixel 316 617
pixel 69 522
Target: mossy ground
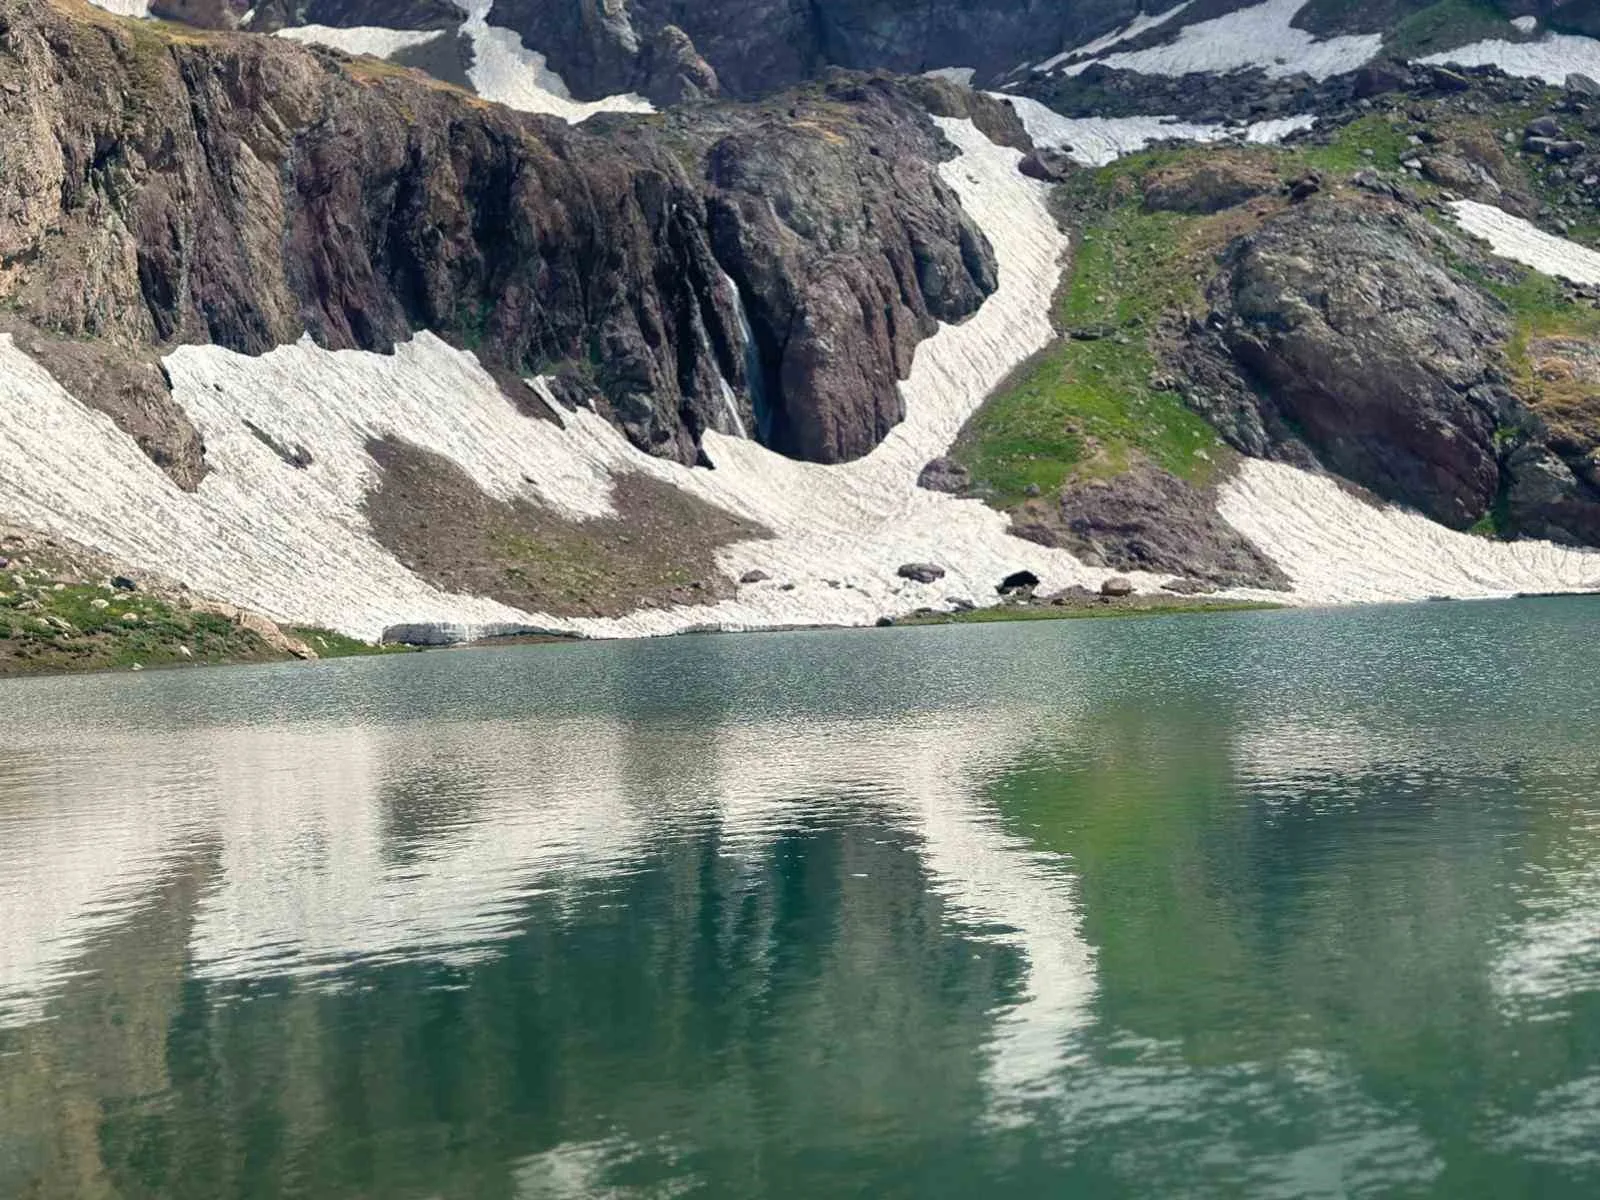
pixel 50 627
pixel 1086 405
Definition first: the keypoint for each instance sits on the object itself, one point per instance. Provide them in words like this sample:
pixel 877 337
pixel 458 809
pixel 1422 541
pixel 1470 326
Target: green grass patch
pixel 329 644
pixel 1386 138
pixel 83 627
pixel 1086 407
pixel 1447 25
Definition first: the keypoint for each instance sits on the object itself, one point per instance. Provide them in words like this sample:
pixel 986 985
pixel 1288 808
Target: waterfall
pixel 752 363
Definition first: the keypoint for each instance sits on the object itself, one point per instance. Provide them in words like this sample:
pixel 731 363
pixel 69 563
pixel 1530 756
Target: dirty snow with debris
pixel 1520 241
pixel 1096 141
pixel 1258 36
pixel 1551 58
pixel 361 39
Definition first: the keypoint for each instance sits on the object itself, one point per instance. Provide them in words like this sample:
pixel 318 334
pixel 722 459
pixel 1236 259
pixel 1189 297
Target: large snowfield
pixel 294 544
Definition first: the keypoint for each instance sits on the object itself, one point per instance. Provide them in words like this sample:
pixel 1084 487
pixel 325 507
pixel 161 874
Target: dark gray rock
pixel 921 572
pixel 1047 165
pixel 1017 582
pixel 1117 587
pixel 756 576
pixel 1580 84
pixel 945 475
pixel 601 249
pixel 1357 340
pixel 1147 519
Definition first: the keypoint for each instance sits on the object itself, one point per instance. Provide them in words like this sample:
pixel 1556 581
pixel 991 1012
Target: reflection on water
pixel 1268 904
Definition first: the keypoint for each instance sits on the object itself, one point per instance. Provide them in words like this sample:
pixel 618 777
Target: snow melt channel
pixel 1337 549
pixel 124 8
pixel 362 39
pixel 1520 241
pixel 505 71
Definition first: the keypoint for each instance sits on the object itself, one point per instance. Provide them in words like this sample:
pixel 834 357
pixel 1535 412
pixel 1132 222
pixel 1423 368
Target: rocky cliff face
pixel 165 188
pixel 1345 333
pixel 753 47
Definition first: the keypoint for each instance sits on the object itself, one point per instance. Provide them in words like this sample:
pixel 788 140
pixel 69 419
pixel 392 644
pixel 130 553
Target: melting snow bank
pixel 1096 141
pixel 294 543
pixel 1258 36
pixel 1514 238
pixel 1338 549
pixel 506 72
pixel 361 39
pixel 1550 58
pixel 1139 25
pixel 124 8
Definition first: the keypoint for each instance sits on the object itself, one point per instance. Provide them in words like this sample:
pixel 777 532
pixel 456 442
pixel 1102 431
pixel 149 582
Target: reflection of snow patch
pixel 1096 141
pixel 1338 550
pixel 1512 237
pixel 1140 24
pixel 1258 36
pixel 362 39
pixel 1551 58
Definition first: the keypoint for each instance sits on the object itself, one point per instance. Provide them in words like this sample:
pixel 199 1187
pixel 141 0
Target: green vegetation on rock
pixel 1086 405
pixel 47 627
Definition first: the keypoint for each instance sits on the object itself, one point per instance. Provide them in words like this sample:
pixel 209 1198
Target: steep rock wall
pixel 169 188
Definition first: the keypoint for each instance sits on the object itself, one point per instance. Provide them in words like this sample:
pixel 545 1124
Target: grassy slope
pixel 1086 408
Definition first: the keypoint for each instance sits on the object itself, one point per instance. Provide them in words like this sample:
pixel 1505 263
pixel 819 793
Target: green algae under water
pixel 1247 904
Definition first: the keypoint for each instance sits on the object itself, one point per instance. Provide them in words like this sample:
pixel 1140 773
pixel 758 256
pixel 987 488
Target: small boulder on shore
pixel 1018 581
pixel 921 572
pixel 1117 587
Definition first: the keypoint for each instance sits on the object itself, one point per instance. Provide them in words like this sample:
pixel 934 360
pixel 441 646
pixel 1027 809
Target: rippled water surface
pixel 1259 904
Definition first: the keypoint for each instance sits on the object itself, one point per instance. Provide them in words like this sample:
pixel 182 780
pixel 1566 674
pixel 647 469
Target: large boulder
pixel 1147 519
pixel 1360 341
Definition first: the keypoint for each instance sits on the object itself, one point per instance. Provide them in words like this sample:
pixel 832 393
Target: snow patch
pixel 362 39
pixel 505 71
pixel 1142 23
pixel 961 75
pixel 124 8
pixel 1258 36
pixel 1525 24
pixel 294 544
pixel 1514 238
pixel 1096 141
pixel 1337 549
pixel 1551 58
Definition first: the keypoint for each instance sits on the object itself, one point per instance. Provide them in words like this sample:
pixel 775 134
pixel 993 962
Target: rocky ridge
pixel 243 191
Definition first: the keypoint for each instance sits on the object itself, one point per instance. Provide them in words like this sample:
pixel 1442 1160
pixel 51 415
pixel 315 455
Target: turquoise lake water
pixel 1294 904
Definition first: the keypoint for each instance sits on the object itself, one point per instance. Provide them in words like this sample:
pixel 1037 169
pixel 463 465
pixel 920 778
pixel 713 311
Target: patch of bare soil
pixel 659 551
